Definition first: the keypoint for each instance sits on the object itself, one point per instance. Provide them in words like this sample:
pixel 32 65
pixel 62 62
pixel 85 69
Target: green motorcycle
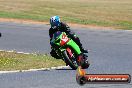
pixel 69 51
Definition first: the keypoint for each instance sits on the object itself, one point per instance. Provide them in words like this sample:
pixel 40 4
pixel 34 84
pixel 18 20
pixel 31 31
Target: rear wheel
pixel 70 61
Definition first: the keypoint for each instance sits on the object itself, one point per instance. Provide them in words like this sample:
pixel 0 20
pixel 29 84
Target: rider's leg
pixel 54 54
pixel 77 40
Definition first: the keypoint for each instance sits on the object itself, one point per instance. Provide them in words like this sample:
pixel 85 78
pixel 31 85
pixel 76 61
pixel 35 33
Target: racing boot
pixel 83 50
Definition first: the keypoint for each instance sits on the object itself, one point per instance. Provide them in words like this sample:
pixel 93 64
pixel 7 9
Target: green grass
pixel 109 13
pixel 15 61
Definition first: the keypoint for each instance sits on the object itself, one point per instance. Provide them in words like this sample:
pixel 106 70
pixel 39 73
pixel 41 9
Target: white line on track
pixel 30 70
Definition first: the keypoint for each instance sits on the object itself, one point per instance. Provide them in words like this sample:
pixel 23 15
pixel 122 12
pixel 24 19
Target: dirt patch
pixel 89 26
pixel 47 23
pixel 21 21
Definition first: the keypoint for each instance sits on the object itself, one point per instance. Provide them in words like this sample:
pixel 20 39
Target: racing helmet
pixel 55 21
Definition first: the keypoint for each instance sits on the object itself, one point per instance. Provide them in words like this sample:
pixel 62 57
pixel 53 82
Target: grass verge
pixel 108 13
pixel 16 61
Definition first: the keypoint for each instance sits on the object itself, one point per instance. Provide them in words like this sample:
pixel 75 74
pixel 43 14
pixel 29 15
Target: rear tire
pixel 68 61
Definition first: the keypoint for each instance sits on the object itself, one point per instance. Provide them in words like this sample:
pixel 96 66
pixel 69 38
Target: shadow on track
pixel 64 69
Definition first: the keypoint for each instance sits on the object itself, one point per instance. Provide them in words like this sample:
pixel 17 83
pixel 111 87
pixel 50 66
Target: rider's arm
pixel 67 29
pixel 50 33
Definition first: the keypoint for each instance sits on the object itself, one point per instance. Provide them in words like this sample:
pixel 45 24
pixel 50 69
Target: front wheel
pixel 73 64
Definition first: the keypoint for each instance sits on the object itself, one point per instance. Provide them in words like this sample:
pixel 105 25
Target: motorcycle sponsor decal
pixel 64 39
pixel 108 78
pixel 83 78
pixel 70 52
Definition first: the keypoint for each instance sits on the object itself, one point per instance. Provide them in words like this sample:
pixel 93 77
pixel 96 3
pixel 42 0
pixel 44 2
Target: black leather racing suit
pixel 64 28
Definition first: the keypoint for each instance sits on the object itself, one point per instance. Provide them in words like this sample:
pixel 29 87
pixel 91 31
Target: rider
pixel 57 25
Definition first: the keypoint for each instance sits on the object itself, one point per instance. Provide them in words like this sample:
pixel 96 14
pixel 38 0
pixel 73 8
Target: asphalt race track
pixel 110 51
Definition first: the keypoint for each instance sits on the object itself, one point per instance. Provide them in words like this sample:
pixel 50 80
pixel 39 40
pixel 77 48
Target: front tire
pixel 68 61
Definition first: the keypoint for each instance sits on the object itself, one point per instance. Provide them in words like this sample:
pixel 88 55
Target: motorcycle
pixel 69 51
